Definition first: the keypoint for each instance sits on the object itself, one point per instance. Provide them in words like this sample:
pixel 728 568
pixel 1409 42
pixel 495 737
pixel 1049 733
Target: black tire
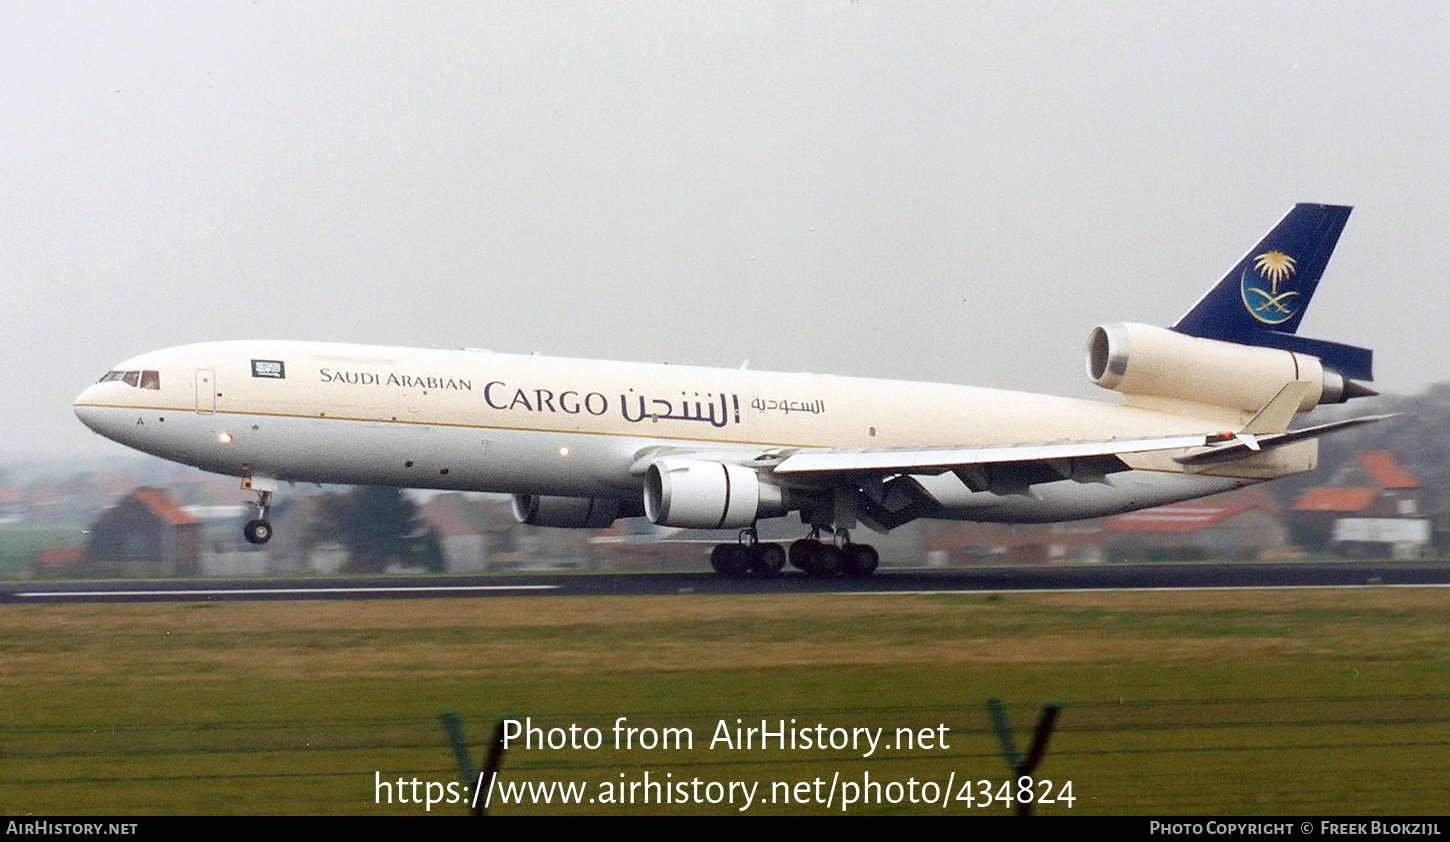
pixel 730 559
pixel 801 552
pixel 257 532
pixel 860 560
pixel 717 558
pixel 767 559
pixel 826 561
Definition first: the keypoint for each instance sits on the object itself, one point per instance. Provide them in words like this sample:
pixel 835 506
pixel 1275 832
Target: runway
pixel 887 580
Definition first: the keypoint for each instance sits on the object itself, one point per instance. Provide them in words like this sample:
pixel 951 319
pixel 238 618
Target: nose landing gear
pixel 259 530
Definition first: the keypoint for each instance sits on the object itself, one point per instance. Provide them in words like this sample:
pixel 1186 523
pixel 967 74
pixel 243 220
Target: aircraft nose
pixel 85 408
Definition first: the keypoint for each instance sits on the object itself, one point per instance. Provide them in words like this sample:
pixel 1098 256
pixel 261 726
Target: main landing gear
pixel 259 531
pixel 819 558
pixel 749 557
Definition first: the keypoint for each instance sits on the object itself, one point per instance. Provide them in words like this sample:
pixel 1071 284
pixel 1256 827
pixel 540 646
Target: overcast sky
pixel 944 191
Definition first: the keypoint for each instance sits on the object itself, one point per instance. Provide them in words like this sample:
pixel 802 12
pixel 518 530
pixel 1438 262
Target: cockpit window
pixel 147 379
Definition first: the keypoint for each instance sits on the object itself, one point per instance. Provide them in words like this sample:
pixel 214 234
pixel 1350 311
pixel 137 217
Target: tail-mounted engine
pixel 1138 359
pixel 708 495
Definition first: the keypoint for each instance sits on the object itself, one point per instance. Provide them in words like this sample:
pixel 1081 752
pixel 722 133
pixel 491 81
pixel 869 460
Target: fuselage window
pixel 150 379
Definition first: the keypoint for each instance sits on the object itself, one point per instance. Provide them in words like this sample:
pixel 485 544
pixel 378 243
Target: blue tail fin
pixel 1263 298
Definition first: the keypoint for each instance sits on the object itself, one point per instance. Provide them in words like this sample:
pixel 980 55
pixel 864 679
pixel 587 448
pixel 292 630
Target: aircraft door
pixel 205 391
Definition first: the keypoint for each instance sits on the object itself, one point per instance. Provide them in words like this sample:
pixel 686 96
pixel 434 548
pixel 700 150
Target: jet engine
pixel 708 495
pixel 1138 359
pixel 572 512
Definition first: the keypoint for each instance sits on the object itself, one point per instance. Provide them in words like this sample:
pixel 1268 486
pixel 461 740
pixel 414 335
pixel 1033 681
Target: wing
pixel 885 487
pixel 1009 469
pixel 1002 469
pixel 890 494
pixel 1012 469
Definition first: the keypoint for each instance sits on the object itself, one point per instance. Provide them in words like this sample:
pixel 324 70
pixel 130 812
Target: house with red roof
pixel 1371 506
pixel 146 534
pixel 1243 524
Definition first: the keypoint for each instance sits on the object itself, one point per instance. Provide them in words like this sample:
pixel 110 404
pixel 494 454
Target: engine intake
pixel 708 495
pixel 1138 359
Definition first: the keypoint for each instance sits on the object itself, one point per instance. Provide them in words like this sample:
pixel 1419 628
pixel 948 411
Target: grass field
pixel 1223 702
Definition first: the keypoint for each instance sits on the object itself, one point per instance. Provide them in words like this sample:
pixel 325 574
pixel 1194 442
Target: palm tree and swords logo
pixel 1269 305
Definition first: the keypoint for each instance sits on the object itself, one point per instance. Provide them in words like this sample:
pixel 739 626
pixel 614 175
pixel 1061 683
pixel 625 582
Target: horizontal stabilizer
pixel 1349 360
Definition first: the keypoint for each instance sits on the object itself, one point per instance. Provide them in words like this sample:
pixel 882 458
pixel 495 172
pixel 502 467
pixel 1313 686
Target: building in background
pixel 1246 524
pixel 1371 506
pixel 146 534
pixel 1239 525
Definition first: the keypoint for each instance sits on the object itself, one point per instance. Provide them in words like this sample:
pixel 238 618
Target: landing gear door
pixel 205 391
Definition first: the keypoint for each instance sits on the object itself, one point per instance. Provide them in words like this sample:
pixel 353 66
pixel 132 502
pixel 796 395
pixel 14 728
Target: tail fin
pixel 1263 298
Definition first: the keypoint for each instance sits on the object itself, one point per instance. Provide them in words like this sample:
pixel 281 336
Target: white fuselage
pixel 474 420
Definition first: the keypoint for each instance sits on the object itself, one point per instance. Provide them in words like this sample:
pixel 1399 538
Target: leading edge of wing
pixel 1085 460
pixel 941 460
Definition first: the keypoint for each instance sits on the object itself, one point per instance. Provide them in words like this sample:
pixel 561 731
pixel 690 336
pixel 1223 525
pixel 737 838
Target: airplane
pixel 1205 407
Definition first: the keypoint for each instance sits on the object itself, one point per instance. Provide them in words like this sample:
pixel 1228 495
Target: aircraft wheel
pixel 826 561
pixel 717 557
pixel 767 559
pixel 730 559
pixel 800 553
pixel 860 560
pixel 257 532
